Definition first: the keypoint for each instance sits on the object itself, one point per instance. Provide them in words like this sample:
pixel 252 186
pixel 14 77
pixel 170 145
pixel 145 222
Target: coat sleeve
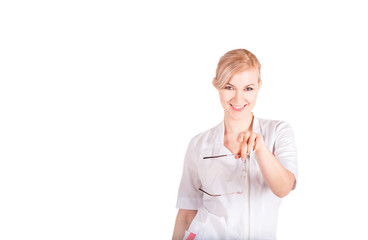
pixel 285 148
pixel 189 196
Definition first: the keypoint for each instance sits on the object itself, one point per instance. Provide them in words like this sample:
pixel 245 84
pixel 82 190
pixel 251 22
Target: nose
pixel 239 96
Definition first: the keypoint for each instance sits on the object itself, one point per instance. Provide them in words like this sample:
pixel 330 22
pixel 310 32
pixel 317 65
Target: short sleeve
pixel 285 148
pixel 189 195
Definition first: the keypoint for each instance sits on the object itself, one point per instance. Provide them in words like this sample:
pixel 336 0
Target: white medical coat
pixel 252 214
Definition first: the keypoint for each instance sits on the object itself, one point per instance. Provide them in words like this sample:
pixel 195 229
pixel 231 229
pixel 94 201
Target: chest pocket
pixel 222 175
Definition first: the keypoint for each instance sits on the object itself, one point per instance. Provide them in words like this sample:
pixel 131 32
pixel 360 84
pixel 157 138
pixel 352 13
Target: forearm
pixel 278 178
pixel 179 230
pixel 182 223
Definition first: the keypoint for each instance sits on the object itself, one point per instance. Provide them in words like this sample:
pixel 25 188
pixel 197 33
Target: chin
pixel 239 115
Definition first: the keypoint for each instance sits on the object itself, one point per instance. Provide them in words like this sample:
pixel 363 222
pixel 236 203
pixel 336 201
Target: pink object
pixel 191 236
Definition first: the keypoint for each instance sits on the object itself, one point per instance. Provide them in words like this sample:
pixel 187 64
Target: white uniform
pixel 249 215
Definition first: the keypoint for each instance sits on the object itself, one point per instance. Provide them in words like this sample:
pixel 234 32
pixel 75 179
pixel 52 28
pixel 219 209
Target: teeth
pixel 237 107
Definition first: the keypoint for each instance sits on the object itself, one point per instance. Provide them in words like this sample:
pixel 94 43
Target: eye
pixel 228 87
pixel 248 89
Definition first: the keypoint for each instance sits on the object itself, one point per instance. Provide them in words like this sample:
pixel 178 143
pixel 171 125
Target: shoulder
pixel 207 137
pixel 268 126
pixel 276 133
pixel 269 123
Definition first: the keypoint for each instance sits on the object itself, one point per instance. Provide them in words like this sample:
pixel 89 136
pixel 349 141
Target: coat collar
pixel 220 130
pixel 219 148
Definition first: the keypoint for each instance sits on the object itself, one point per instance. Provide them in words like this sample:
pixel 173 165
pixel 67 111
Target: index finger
pixel 244 145
pixel 241 137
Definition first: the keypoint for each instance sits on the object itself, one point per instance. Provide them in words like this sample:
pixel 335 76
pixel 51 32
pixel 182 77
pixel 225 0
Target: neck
pixel 235 126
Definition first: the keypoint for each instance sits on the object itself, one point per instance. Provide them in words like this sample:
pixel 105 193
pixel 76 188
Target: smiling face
pixel 239 95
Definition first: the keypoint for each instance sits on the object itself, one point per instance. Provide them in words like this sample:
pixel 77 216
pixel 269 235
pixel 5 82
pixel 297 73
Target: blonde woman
pixel 236 173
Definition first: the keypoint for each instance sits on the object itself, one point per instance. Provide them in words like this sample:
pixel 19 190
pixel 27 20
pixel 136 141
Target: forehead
pixel 244 78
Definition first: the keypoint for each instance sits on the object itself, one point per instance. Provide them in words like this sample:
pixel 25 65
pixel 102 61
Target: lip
pixel 238 109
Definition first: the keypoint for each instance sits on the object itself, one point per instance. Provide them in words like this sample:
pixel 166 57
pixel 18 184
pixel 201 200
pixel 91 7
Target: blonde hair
pixel 233 62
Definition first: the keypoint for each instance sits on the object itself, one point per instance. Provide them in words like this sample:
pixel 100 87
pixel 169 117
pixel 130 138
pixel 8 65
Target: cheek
pixel 252 97
pixel 225 96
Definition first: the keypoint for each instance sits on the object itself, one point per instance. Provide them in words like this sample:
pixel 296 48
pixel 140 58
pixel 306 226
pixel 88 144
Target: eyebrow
pixel 244 86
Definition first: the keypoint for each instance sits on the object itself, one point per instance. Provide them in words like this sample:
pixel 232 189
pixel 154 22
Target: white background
pixel 99 99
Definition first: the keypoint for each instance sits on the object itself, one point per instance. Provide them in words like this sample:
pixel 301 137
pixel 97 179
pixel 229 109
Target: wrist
pixel 260 148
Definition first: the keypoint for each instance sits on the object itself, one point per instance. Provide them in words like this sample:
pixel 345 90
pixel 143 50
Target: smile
pixel 238 108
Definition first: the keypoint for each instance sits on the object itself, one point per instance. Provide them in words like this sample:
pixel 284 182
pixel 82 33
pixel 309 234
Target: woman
pixel 236 173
